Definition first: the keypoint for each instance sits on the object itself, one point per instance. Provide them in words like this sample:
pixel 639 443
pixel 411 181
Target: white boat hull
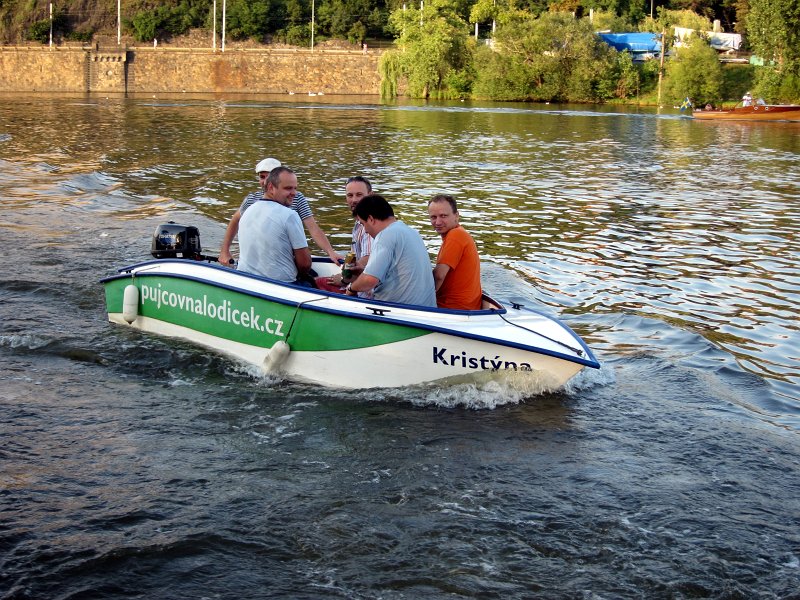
pixel 337 341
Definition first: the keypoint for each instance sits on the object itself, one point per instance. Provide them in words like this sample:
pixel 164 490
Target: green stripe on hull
pixel 239 317
pixel 316 331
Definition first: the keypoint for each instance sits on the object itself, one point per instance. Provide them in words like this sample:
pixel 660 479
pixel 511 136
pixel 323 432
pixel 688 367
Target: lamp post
pixel 214 29
pixel 51 25
pixel 312 25
pixel 651 8
pixel 119 22
pixel 224 3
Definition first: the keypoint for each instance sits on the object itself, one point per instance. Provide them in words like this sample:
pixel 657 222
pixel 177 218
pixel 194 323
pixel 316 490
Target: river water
pixel 139 467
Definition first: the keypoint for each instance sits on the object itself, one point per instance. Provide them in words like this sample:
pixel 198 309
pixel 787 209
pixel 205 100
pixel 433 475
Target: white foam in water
pixel 257 373
pixel 496 390
pixel 206 200
pixel 589 378
pixel 30 342
pixel 493 390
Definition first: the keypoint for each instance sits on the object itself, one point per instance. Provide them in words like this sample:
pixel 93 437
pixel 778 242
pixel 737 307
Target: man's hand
pixel 225 259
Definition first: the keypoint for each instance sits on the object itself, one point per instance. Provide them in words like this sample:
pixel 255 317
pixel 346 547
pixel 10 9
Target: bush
pixel 252 18
pixel 628 77
pixel 736 80
pixel 146 25
pixel 357 33
pixel 39 31
pixel 694 72
pixel 296 35
pixel 776 86
pixel 459 82
pixel 168 19
pixel 80 36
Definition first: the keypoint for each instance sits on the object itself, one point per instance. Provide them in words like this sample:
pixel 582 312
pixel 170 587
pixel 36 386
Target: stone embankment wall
pixel 171 70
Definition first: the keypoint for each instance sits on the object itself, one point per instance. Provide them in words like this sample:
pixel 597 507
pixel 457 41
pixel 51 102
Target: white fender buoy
pixel 130 303
pixel 277 356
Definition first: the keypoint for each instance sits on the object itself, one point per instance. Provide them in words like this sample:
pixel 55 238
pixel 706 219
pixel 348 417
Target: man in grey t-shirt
pixel 299 204
pixel 399 268
pixel 273 243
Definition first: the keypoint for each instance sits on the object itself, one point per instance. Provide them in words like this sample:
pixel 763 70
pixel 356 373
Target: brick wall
pixel 167 70
pixel 37 70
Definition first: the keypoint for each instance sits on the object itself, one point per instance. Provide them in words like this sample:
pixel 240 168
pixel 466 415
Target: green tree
pixel 345 18
pixel 667 19
pixel 147 24
pixel 695 72
pixel 604 20
pixel 253 18
pixel 433 45
pixel 486 11
pixel 169 18
pixel 628 78
pixel 773 31
pixel 296 13
pixel 700 7
pixel 551 58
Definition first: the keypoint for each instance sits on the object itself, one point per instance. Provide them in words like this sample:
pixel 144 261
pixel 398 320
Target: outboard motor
pixel 176 241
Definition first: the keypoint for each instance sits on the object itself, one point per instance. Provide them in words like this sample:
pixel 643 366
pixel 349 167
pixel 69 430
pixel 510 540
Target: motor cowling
pixel 171 240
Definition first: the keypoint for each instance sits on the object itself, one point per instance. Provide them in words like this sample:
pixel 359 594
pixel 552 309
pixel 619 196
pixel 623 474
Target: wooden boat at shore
pixel 757 112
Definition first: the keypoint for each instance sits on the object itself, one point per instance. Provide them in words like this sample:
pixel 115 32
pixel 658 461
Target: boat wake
pixel 494 389
pixel 486 391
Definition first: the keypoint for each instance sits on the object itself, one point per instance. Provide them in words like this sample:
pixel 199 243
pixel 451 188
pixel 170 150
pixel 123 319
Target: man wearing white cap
pixel 299 204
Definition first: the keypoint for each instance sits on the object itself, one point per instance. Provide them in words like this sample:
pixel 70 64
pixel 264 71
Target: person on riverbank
pixel 399 268
pixel 271 237
pixel 457 274
pixel 300 205
pixel 356 189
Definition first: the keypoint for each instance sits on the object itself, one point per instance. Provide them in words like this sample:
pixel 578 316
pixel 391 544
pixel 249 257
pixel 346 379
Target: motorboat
pixel 331 339
pixel 752 112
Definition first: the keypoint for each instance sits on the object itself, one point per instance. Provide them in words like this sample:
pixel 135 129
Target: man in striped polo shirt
pixel 299 204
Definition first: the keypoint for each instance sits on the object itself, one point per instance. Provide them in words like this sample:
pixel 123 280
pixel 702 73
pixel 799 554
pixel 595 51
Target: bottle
pixel 349 264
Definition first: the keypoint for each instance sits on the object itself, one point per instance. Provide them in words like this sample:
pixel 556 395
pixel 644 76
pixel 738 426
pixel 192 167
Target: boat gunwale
pixel 589 361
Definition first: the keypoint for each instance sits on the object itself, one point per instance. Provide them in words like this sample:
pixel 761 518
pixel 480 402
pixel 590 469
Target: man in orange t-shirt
pixel 457 273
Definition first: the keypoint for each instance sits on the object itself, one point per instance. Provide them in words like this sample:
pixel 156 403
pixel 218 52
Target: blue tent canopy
pixel 633 42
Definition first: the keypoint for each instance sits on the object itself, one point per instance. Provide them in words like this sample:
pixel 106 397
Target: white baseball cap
pixel 267 165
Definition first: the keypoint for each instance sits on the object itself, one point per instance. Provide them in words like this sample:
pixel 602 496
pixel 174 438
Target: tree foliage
pixel 696 73
pixel 167 19
pixel 40 30
pixel 553 58
pixel 253 18
pixel 604 20
pixel 433 49
pixel 773 30
pixel 352 19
